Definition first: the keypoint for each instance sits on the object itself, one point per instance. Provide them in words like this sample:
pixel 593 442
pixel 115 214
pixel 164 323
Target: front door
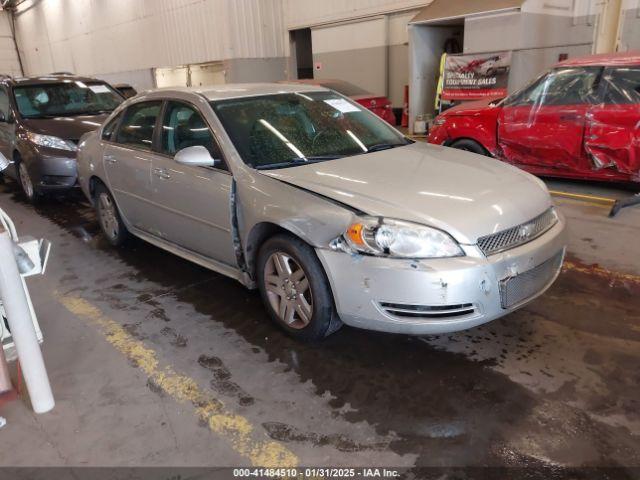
pixel 544 125
pixel 613 131
pixel 192 205
pixel 127 158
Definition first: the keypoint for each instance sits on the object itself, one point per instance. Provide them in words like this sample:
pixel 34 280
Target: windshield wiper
pixel 297 162
pixel 383 146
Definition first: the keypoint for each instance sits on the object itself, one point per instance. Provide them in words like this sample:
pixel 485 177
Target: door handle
pixel 161 173
pixel 110 159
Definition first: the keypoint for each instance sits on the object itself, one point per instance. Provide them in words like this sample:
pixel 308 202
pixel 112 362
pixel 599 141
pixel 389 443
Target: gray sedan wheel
pixel 109 218
pixel 295 289
pixel 288 290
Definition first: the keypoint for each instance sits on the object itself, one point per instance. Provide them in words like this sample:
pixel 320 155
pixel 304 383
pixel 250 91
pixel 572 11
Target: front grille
pixel 427 311
pixel 518 235
pixel 514 290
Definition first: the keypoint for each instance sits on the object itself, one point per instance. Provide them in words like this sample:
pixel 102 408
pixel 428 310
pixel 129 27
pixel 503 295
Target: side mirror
pixel 4 163
pixel 196 156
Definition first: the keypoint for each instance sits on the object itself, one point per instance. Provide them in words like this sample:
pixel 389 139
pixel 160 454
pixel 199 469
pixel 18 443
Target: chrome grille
pixel 427 311
pixel 518 235
pixel 514 290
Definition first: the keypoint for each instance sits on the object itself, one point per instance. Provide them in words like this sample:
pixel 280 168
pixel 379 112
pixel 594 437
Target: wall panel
pixel 99 36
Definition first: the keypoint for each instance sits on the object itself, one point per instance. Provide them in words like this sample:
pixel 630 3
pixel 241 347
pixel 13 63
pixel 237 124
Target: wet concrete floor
pixel 554 384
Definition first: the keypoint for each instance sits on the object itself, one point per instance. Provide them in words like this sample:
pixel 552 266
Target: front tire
pixel 109 217
pixel 294 288
pixel 469 146
pixel 29 189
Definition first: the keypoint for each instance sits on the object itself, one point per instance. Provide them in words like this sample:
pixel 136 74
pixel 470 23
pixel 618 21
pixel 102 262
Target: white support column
pixel 16 305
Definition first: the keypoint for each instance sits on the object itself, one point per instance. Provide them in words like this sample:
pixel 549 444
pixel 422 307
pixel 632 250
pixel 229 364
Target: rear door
pixel 545 124
pixel 191 204
pixel 613 130
pixel 127 161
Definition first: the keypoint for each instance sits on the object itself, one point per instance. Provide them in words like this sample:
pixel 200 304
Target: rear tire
pixel 109 217
pixel 470 146
pixel 295 289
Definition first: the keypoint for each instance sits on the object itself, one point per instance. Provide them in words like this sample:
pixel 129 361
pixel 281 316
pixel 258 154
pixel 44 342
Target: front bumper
pixel 51 169
pixel 458 293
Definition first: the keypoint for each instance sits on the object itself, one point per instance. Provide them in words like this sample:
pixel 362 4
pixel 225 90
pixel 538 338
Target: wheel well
pixel 93 181
pixel 259 234
pixel 450 143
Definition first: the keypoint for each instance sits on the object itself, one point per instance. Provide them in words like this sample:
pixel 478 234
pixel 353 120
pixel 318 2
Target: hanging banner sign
pixel 471 77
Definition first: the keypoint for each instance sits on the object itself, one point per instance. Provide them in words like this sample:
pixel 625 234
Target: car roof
pixel 238 90
pixel 53 78
pixel 603 60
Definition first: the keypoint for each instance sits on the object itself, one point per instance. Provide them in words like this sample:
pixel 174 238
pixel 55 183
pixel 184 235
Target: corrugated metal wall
pixel 305 13
pixel 99 36
pixel 9 64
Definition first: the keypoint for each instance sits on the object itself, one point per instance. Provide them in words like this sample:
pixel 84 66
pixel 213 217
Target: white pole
pixel 16 305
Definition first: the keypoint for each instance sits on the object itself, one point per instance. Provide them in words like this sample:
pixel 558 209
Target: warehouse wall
pixel 97 37
pixel 630 26
pixel 306 13
pixel 9 64
pixel 537 36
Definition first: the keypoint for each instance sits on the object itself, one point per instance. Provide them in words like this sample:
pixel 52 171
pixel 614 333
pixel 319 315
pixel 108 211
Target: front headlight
pixel 397 238
pixel 50 141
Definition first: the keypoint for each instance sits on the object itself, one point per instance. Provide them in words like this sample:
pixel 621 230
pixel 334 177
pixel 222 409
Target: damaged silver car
pixel 333 214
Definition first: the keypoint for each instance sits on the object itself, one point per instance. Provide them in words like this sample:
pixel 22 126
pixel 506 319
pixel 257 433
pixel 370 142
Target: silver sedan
pixel 333 214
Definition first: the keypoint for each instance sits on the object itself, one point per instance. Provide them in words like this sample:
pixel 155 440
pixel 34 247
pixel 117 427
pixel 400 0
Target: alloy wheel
pixel 288 290
pixel 108 216
pixel 25 181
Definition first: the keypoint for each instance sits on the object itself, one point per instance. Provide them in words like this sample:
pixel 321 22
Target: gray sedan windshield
pixel 275 131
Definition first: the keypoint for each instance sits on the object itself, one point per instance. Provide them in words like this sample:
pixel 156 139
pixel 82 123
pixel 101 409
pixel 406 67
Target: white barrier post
pixel 16 305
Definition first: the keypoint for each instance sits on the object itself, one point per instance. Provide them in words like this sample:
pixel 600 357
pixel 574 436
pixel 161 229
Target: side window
pixel 107 131
pixel 138 124
pixel 563 86
pixel 621 85
pixel 183 127
pixel 4 104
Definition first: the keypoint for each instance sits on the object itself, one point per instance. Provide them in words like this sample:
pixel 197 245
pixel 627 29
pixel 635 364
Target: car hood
pixel 465 194
pixel 68 128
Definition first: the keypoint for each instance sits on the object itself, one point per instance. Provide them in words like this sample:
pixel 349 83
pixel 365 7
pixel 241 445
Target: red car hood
pixel 472 108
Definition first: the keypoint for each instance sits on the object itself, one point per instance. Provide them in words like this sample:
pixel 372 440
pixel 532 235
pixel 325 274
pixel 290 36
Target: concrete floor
pixel 155 361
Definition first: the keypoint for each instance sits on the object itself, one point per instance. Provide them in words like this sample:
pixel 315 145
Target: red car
pixel 381 106
pixel 581 119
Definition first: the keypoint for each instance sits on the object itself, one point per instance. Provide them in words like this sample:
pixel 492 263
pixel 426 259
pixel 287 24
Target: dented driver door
pixel 612 139
pixel 544 125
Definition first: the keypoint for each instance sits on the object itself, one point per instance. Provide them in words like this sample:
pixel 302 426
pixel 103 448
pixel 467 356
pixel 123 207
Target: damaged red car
pixel 581 120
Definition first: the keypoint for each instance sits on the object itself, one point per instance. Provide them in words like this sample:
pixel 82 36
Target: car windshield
pixel 283 130
pixel 345 88
pixel 65 99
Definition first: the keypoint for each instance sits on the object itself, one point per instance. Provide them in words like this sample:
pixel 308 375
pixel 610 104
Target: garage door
pixel 355 52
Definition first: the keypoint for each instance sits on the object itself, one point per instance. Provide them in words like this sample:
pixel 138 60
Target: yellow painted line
pixel 236 429
pixel 602 272
pixel 580 196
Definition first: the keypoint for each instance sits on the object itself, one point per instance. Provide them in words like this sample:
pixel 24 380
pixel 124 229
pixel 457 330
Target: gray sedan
pixel 333 214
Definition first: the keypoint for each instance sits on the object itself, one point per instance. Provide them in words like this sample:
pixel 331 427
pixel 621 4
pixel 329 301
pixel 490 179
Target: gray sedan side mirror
pixel 196 156
pixel 4 163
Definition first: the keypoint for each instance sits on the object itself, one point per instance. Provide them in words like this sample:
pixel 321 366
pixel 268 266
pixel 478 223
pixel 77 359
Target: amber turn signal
pixel 355 234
